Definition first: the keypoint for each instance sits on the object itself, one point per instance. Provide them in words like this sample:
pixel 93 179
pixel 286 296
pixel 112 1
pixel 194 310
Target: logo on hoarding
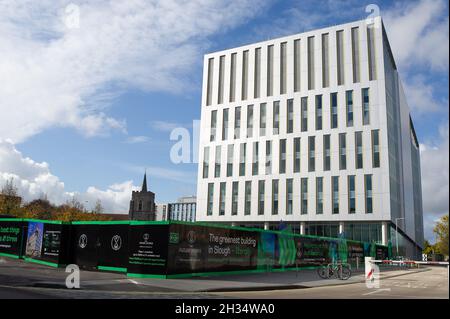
pixel 82 242
pixel 116 242
pixel 191 237
pixel 174 238
pixel 146 237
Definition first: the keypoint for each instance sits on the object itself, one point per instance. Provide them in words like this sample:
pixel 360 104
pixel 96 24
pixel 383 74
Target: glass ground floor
pixel 381 232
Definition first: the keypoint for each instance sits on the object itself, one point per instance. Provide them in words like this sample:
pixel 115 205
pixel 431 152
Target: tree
pixel 428 248
pixel 9 199
pixel 39 208
pixel 441 230
pixel 98 209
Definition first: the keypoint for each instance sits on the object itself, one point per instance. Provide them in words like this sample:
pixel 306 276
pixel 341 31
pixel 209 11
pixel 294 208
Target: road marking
pixel 377 291
pixel 133 281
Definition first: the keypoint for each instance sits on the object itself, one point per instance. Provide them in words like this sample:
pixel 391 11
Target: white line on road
pixel 377 291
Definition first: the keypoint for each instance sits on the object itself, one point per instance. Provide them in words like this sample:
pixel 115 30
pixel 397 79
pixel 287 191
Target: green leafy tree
pixel 441 230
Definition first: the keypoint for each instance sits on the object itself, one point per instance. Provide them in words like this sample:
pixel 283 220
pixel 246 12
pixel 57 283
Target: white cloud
pixel 57 76
pixel 418 33
pixel 166 126
pixel 136 139
pixel 421 96
pixel 435 181
pixel 34 179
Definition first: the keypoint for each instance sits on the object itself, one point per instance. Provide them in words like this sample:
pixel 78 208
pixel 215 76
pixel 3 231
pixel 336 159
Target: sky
pixel 91 90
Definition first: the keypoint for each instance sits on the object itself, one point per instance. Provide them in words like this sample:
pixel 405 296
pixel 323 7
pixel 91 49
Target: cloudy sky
pixel 90 90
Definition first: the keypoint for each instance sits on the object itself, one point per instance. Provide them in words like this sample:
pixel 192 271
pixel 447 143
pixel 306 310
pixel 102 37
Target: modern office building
pixel 312 130
pixel 183 210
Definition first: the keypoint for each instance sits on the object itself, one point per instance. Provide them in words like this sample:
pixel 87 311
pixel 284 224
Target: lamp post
pixel 396 232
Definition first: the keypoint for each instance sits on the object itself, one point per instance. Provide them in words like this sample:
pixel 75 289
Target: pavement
pixel 22 278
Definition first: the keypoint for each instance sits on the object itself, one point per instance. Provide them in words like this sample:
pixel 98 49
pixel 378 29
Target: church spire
pixel 144 183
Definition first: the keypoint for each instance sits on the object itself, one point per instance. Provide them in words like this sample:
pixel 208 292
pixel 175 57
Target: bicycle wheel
pixel 323 272
pixel 344 273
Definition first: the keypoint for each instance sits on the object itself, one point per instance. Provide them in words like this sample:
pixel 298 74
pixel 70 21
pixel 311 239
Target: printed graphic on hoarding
pixel 203 249
pixel 52 243
pixel 148 249
pixel 10 237
pixel 34 239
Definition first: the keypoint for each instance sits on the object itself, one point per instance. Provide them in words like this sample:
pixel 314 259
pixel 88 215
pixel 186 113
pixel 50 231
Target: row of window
pixel 283 54
pixel 349 110
pixel 288 196
pixel 295 146
pixel 184 212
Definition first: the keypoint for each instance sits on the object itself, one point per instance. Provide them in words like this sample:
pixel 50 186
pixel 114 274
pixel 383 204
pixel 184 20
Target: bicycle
pixel 337 270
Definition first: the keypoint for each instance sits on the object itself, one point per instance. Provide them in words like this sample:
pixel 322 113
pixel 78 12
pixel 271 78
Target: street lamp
pixel 396 233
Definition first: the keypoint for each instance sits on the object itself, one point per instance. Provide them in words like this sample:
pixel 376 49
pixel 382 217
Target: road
pixel 432 284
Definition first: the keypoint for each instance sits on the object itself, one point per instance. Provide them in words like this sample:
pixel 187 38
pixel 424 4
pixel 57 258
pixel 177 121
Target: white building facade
pixel 313 130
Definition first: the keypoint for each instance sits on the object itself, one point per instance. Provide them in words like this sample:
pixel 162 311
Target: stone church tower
pixel 142 204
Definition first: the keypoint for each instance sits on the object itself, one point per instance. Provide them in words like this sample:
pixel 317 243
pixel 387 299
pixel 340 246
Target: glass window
pixel 333 110
pixel 342 151
pixel 225 124
pixel 255 163
pixel 210 81
pixel 358 150
pixel 304 196
pixel 349 104
pixel 270 70
pixel 318 112
pixel 282 156
pixel 209 209
pixel 351 194
pixel 368 193
pixel 213 125
pixel 276 117
pixel 257 73
pixel 304 114
pixel 233 77
pixel 248 197
pixel 296 154
pixel 275 197
pixel 289 196
pixel 250 121
pixel 205 162
pixel 262 119
pixel 217 161
pixel 375 148
pixel 340 56
pixel 242 159
pixel 283 68
pixel 230 156
pixel 319 195
pixel 297 65
pixel 261 192
pixel 221 74
pixel 365 103
pixel 335 194
pixel 290 116
pixel 311 154
pixel 268 157
pixel 310 63
pixel 355 54
pixel 326 153
pixel 325 63
pixel 244 74
pixel 371 52
pixel 222 199
pixel 237 122
pixel 235 192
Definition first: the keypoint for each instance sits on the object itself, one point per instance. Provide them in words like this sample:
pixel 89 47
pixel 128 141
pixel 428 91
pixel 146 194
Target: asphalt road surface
pixel 432 284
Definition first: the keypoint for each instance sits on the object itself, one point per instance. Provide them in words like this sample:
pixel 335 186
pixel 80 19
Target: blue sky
pixel 97 101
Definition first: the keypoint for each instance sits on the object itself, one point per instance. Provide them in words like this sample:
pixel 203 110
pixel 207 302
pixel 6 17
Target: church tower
pixel 142 204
